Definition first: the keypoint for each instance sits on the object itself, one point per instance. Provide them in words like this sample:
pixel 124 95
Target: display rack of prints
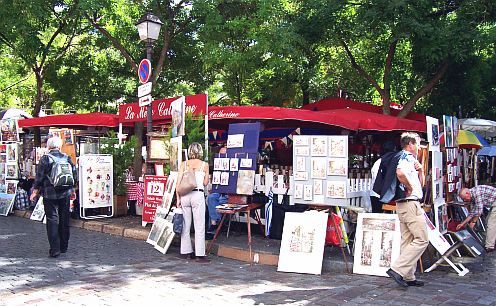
pixel 321 169
pixel 95 182
pixel 377 244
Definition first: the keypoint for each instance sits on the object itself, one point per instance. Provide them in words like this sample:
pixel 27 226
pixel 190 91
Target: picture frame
pixel 38 211
pixel 233 164
pixel 158 226
pixel 246 181
pixel 158 149
pixel 175 156
pixel 178 116
pixel 298 191
pixel 337 166
pixel 11 170
pixel 9 131
pixel 224 178
pixel 301 176
pixel 318 146
pixel 318 168
pixel 216 177
pixel 6 203
pixel 336 189
pixel 302 151
pixel 166 235
pixel 235 141
pixel 299 140
pixel 245 163
pixel 12 152
pixel 302 244
pixel 300 164
pixel 307 192
pixel 377 243
pixel 338 146
pixel 318 187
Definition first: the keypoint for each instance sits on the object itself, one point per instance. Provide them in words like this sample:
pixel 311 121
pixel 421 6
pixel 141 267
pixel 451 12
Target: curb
pixel 100 226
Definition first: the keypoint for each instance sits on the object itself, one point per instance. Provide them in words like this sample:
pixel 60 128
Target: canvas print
pixel 318 187
pixel 11 187
pixel 448 131
pixel 302 151
pixel 300 163
pixel 159 149
pixel 441 217
pixel 11 170
pixel 38 211
pixel 217 163
pixel 216 177
pixel 175 153
pixel 233 164
pixel 433 133
pixel 298 191
pixel 166 236
pixel 224 164
pixel 245 163
pixel 337 166
pixel 6 203
pixel 235 141
pixel 377 243
pixel 12 152
pixel 301 140
pixel 224 178
pixel 336 189
pixel 318 146
pixel 178 114
pixel 8 129
pixel 307 193
pixel 337 146
pixel 170 189
pixel 301 176
pixel 454 124
pixel 318 170
pixel 302 244
pixel 246 180
pixel 157 228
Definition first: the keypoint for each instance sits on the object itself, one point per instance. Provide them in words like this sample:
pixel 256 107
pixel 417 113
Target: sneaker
pixel 53 254
pixel 415 283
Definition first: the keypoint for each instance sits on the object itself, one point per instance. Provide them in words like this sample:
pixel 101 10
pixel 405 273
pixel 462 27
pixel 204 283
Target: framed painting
pixel 38 211
pixel 377 243
pixel 299 140
pixel 338 146
pixel 336 189
pixel 318 146
pixel 246 180
pixel 302 244
pixel 175 153
pixel 318 170
pixel 337 166
pixel 158 226
pixel 166 235
pixel 302 151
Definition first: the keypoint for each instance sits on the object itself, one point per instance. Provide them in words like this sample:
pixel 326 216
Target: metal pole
pixel 149 127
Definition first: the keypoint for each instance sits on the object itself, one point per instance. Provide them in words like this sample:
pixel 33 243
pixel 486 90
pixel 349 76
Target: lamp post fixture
pixel 149 29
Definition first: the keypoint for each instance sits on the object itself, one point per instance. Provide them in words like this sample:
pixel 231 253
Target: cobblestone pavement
pixel 100 269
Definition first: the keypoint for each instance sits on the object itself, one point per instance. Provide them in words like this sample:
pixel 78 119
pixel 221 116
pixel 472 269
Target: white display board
pixel 302 244
pixel 378 241
pixel 320 169
pixel 95 181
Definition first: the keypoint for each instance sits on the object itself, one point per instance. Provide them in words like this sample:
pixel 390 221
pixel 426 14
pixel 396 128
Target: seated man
pixel 213 200
pixel 481 196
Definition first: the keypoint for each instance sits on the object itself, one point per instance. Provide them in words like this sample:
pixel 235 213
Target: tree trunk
pixel 37 104
pixel 305 89
pixel 138 131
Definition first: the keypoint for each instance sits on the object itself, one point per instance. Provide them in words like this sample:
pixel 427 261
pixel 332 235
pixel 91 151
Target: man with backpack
pixel 55 180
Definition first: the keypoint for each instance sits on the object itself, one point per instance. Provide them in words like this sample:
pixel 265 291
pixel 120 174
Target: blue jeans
pixel 213 200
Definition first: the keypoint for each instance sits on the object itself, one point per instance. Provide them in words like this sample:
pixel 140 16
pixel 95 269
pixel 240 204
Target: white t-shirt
pixel 407 164
pixel 373 172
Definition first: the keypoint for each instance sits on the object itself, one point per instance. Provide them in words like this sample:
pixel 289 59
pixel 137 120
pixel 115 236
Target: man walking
pixel 414 237
pixel 53 182
pixel 481 196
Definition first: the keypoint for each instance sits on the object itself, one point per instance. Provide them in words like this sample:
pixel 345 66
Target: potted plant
pixel 123 156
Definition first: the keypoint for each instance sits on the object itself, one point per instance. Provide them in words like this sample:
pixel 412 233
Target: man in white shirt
pixel 414 237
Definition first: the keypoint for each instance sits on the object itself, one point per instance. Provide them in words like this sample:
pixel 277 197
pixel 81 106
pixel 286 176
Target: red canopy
pixel 347 118
pixel 71 120
pixel 377 122
pixel 339 103
pixel 280 114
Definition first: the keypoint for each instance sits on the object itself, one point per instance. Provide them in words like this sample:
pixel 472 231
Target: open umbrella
pixel 487 151
pixel 468 139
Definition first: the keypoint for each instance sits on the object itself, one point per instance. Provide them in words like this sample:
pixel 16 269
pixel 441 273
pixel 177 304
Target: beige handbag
pixel 187 183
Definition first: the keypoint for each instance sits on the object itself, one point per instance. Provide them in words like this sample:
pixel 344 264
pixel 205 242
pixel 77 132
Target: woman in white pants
pixel 193 205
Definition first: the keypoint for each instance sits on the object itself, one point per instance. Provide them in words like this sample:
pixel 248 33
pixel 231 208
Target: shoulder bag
pixel 187 182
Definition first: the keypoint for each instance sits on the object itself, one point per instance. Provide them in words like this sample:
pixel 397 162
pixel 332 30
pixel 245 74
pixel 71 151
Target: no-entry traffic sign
pixel 144 71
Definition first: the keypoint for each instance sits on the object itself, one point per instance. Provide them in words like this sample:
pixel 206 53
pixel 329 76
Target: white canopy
pixel 485 127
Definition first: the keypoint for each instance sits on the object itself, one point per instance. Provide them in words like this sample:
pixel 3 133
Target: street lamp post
pixel 149 29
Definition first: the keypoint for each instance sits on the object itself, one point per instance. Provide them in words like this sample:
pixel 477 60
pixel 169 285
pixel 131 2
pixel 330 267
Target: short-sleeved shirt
pixel 407 165
pixel 482 196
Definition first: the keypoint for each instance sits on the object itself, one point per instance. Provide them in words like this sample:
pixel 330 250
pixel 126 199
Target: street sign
pixel 144 89
pixel 144 71
pixel 143 101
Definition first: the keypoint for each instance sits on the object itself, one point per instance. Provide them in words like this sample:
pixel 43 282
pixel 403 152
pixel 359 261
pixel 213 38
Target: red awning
pixel 377 122
pixel 339 103
pixel 283 116
pixel 71 120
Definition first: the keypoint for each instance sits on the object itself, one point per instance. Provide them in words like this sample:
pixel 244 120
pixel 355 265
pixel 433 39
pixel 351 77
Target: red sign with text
pixel 154 193
pixel 161 109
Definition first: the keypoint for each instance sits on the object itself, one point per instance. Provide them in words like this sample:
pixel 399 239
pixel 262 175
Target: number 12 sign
pixel 154 193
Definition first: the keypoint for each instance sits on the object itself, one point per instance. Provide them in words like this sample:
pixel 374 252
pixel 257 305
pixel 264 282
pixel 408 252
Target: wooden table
pixel 246 208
